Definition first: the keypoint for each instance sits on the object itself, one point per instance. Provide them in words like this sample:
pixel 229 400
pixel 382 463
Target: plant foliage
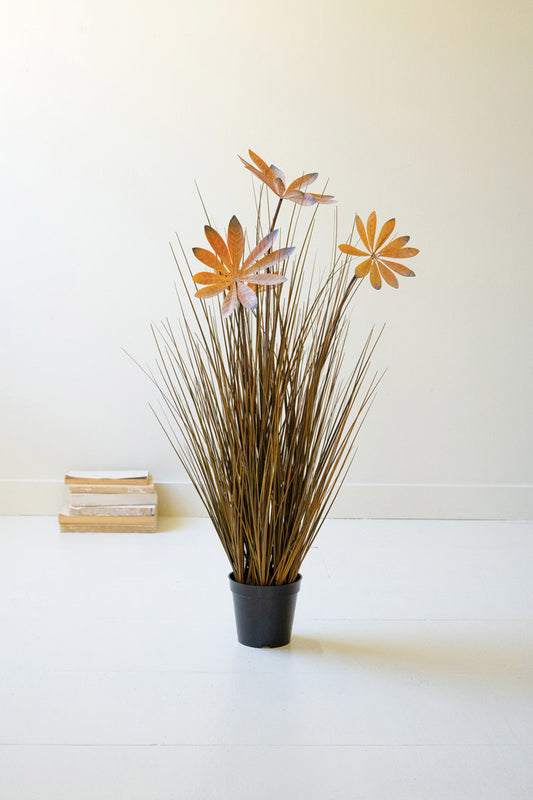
pixel 255 405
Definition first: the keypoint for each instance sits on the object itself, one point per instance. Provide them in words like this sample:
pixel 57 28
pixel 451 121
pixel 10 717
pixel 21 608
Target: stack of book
pixel 109 502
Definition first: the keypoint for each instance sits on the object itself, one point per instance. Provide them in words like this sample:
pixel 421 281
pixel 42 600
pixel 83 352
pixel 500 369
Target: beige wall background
pixel 423 111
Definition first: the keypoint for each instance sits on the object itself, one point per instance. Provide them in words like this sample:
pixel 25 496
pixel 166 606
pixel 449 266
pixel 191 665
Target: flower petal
pixel 352 251
pixel 401 269
pixel 208 258
pixel 230 302
pixel 270 279
pixel 247 296
pixel 305 180
pixel 302 198
pixel 264 245
pixel 401 241
pixel 385 232
pixel 208 278
pixel 270 182
pixel 210 291
pixel 399 252
pixel 361 231
pixel 363 268
pixel 268 260
pixel 263 166
pixel 387 275
pixel 219 246
pixel 325 199
pixel 375 277
pixel 279 175
pixel 371 229
pixel 235 242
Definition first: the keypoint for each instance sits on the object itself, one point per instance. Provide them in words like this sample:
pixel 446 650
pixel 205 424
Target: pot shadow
pixel 482 660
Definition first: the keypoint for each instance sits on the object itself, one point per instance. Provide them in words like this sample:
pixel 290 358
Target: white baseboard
pixel 355 500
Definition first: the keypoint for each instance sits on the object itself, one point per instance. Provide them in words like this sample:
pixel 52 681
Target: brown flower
pixel 275 180
pixel 229 274
pixel 378 253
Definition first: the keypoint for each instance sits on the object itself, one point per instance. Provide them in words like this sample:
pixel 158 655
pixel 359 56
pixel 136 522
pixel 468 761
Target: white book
pixel 111 488
pixel 113 511
pixel 113 478
pixel 70 521
pixel 103 499
pixel 108 475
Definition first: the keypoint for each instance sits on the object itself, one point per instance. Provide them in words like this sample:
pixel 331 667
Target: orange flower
pixel 275 180
pixel 232 276
pixel 378 253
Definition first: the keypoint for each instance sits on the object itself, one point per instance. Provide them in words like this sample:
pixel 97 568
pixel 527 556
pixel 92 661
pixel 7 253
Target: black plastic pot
pixel 264 614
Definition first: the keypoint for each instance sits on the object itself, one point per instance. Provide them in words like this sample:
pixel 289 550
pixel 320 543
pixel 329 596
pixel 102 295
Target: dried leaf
pixel 263 166
pixel 230 302
pixel 270 279
pixel 279 175
pixel 208 258
pixel 303 182
pixel 208 278
pixel 235 241
pixel 219 245
pixel 371 229
pixel 399 252
pixel 210 291
pixel 401 241
pixel 264 245
pixel 324 199
pixel 388 276
pixel 302 198
pixel 385 232
pixel 375 277
pixel 271 258
pixel 270 181
pixel 362 232
pixel 352 251
pixel 363 268
pixel 247 297
pixel 401 269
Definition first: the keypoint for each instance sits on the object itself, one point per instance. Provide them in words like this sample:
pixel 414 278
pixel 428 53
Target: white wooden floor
pixel 409 676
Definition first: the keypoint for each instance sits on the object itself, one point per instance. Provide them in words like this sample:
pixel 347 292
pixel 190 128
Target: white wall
pixel 423 111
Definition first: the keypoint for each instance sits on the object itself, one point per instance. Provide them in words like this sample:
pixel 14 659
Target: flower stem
pixel 267 302
pixel 276 214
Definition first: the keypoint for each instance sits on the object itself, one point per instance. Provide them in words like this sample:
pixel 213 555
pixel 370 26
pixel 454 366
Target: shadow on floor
pixel 167 524
pixel 483 660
